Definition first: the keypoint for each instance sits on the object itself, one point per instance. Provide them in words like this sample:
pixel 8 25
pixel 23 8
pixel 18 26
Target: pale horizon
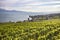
pixel 31 5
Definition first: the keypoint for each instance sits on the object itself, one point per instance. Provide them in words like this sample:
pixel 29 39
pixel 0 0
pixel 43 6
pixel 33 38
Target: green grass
pixel 44 30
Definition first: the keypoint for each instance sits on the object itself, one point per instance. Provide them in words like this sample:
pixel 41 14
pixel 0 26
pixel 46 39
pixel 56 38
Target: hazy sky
pixel 31 5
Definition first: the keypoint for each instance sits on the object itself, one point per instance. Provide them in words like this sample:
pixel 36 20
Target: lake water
pixel 15 16
pixel 12 17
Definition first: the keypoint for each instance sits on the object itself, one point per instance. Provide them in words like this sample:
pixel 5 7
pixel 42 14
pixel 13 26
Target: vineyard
pixel 43 30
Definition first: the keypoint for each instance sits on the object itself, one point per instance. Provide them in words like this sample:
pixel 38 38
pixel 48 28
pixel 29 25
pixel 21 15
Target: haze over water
pixel 26 6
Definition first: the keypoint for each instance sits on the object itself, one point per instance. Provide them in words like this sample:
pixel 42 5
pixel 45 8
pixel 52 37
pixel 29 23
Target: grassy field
pixel 44 30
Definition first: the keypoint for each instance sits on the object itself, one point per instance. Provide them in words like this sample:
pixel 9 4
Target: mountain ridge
pixel 20 12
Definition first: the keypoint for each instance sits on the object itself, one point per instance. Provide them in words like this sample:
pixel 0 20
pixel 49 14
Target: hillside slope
pixel 45 30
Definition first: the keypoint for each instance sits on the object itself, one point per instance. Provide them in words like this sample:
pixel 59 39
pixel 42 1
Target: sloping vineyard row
pixel 45 30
